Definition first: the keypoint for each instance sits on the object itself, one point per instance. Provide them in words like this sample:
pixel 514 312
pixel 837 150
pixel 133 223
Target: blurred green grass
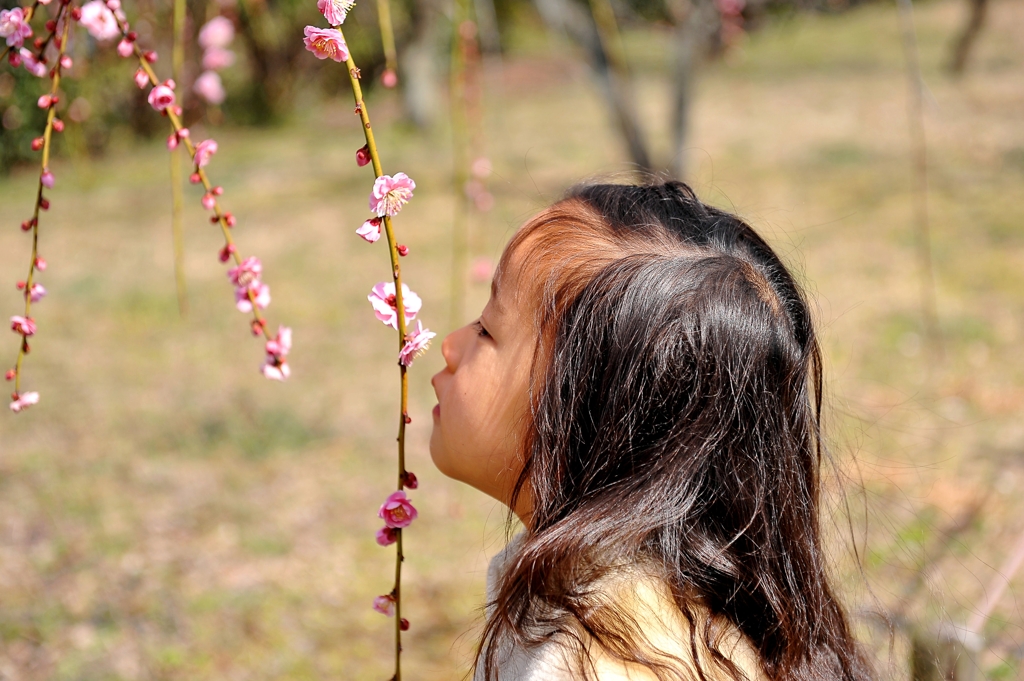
pixel 166 513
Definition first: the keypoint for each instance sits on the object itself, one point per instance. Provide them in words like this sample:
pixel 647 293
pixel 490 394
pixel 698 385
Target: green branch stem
pixel 396 273
pixel 44 165
pixel 387 35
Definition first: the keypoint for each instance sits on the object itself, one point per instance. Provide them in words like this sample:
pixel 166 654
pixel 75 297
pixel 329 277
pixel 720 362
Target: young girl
pixel 643 390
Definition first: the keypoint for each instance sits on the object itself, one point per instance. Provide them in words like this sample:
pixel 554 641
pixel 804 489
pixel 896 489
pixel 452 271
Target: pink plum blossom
pixel 281 344
pixel 99 20
pixel 204 152
pixel 141 78
pixel 247 272
pixel 386 536
pixel 26 326
pixel 161 96
pixel 397 511
pixel 326 42
pixel 370 230
pixel 385 605
pixel 385 303
pixel 13 26
pixel 275 365
pixel 335 11
pixel 217 58
pixel 36 292
pixel 260 291
pixel 217 32
pixel 32 65
pixel 24 400
pixel 210 87
pixel 416 343
pixel 390 194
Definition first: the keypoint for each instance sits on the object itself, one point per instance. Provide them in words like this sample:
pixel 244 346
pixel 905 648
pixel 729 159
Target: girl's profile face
pixel 482 393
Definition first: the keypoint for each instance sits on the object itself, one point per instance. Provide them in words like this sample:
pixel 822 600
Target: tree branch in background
pixel 964 43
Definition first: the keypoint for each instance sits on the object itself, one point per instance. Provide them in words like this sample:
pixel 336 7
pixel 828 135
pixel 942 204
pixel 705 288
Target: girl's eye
pixel 480 330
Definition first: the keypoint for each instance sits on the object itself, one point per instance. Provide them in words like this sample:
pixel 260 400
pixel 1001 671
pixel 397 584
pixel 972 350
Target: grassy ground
pixel 165 513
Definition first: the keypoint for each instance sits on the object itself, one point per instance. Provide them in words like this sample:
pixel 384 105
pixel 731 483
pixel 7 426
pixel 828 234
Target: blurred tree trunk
pixel 570 18
pixel 964 43
pixel 418 64
pixel 696 24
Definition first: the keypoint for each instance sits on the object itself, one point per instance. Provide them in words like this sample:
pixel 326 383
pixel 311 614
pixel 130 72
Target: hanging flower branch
pixel 251 294
pixel 14 26
pixel 105 21
pixel 394 304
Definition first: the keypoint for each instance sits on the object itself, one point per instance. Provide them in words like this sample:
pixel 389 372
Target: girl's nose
pixel 451 349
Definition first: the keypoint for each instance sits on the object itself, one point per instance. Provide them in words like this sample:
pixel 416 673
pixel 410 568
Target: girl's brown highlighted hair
pixel 675 424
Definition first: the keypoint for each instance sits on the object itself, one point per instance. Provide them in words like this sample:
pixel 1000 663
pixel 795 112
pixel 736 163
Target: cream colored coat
pixel 649 602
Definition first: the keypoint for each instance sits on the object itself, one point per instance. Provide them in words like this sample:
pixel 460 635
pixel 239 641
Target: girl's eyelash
pixel 480 330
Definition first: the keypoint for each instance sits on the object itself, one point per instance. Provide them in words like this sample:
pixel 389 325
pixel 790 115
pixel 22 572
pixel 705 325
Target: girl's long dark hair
pixel 675 423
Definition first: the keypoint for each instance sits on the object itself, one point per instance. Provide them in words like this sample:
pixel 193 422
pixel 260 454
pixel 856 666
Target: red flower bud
pixel 257 327
pixel 194 178
pixel 51 25
pixel 229 219
pixel 38 42
pixel 44 203
pixel 24 345
pixel 363 155
pixel 132 36
pixel 76 13
pixel 37 144
pixel 403 250
pixel 214 219
pixel 150 56
pixel 408 419
pixel 20 285
pixel 404 624
pixel 409 480
pixel 65 62
pixel 14 58
pixel 218 190
pixel 40 264
pixel 10 375
pixel 225 253
pixel 58 125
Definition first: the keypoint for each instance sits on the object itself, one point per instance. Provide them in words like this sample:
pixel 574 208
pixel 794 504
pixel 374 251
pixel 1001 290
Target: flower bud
pixel 408 419
pixel 404 624
pixel 257 327
pixel 58 125
pixel 38 43
pixel 150 56
pixel 45 101
pixel 172 141
pixel 225 253
pixel 363 155
pixel 40 263
pixel 229 219
pixel 14 58
pixel 37 144
pixel 20 285
pixel 141 78
pixel 44 203
pixel 66 62
pixel 76 13
pixel 51 25
pixel 218 190
pixel 132 36
pixel 208 201
pixel 9 375
pixel 183 133
pixel 194 178
pixel 403 250
pixel 409 480
pixel 47 178
pixel 124 48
